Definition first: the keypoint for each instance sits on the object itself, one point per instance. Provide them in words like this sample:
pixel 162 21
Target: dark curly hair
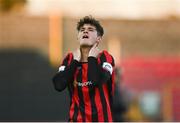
pixel 90 20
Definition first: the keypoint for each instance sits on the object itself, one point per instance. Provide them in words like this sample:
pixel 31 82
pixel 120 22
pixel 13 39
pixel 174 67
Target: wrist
pixel 91 55
pixel 75 57
pixel 75 61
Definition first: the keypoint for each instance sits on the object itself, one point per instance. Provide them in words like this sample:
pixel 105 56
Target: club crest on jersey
pixel 107 66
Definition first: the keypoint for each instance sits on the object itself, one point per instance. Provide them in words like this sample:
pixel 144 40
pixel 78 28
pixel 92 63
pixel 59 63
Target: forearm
pixel 96 74
pixel 62 78
pixel 93 74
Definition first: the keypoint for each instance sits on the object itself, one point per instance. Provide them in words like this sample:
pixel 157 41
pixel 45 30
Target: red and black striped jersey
pixel 90 85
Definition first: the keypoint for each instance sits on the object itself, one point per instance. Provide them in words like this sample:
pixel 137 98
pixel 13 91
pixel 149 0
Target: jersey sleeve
pixel 65 73
pixel 106 66
pixel 100 69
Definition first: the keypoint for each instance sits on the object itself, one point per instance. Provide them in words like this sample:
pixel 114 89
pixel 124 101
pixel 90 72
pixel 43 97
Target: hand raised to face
pixel 77 54
pixel 94 51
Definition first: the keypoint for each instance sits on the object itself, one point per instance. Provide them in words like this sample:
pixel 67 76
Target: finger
pixel 78 50
pixel 95 45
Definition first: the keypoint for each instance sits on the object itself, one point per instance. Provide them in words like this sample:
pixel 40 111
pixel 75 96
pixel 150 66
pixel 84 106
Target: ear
pixel 99 38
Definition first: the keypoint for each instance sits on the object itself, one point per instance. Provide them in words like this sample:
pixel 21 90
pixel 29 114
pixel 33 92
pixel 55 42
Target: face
pixel 88 36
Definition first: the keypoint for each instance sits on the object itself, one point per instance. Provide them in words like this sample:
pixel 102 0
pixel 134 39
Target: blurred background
pixel 142 35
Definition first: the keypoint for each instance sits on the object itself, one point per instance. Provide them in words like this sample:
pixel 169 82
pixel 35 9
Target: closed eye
pixel 91 30
pixel 81 30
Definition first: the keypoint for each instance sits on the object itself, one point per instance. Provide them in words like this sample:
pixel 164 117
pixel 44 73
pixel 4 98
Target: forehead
pixel 88 26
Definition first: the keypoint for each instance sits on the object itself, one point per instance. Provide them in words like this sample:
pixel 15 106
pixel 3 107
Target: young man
pixel 89 75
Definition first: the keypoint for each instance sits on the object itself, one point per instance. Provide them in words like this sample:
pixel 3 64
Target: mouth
pixel 85 37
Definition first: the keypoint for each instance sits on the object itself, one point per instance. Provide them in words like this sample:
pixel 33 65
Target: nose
pixel 85 31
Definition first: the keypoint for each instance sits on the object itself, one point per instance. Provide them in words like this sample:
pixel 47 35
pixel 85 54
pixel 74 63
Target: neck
pixel 85 53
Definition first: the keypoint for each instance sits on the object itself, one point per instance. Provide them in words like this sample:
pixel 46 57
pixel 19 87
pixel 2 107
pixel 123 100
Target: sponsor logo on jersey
pixel 82 84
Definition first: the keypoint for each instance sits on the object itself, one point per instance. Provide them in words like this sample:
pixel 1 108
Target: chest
pixel 81 75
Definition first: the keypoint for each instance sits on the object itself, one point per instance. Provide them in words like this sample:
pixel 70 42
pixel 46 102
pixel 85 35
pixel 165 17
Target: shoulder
pixel 68 58
pixel 106 53
pixel 68 55
pixel 105 56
